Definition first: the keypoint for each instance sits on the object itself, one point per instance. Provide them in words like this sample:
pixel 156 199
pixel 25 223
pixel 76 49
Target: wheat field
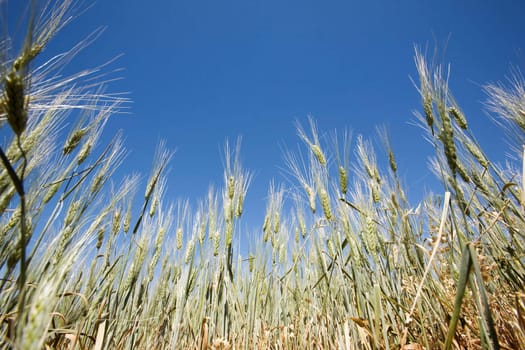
pixel 342 259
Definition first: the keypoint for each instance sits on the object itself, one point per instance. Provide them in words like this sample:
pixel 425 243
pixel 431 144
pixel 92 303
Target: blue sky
pixel 200 72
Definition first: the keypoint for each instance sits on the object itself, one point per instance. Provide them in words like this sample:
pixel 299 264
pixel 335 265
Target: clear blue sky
pixel 200 72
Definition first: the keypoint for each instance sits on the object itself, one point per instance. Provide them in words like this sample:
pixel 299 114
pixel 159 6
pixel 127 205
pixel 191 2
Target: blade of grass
pixel 466 263
pixel 486 316
pixel 446 203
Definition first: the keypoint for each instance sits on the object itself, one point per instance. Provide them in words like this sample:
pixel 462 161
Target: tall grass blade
pixel 486 316
pixel 464 272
